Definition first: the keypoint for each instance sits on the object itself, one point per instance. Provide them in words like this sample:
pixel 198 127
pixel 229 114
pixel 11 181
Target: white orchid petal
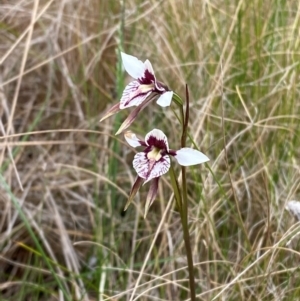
pixel 132 139
pixel 165 99
pixel 158 139
pixel 134 94
pixel 134 67
pixel 150 168
pixel 188 156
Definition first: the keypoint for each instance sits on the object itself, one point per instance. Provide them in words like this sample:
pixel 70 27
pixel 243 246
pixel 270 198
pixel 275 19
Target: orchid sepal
pixel 151 196
pixel 132 116
pixel 112 111
pixel 135 188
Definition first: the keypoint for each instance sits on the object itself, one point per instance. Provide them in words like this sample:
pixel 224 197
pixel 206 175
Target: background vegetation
pixel 64 179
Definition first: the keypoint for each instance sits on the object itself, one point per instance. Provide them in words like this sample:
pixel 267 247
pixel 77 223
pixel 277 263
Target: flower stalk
pixel 182 199
pixel 184 214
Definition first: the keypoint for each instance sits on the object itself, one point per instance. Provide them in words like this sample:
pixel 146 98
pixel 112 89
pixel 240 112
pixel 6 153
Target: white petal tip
pixel 188 156
pixel 134 67
pixel 132 139
pixel 165 99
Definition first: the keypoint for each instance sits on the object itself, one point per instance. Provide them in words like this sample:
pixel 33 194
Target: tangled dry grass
pixel 63 185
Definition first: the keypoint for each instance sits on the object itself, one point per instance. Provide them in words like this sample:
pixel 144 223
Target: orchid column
pixel 155 158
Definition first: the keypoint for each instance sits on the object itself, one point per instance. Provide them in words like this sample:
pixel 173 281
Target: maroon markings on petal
pixel 151 195
pixel 113 110
pixel 159 168
pixel 147 79
pixel 156 142
pixel 133 95
pixel 157 139
pixel 141 164
pixel 172 152
pixel 148 76
pixel 150 168
pixel 135 188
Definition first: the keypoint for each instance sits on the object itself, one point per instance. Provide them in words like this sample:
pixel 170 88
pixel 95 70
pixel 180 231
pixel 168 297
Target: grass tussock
pixel 64 178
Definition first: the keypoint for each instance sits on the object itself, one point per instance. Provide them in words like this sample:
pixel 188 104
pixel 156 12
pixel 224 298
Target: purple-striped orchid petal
pixel 188 156
pixel 154 161
pixel 165 99
pixel 134 94
pixel 152 193
pixel 151 165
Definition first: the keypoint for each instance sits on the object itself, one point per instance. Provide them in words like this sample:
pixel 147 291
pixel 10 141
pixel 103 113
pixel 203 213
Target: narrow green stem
pixel 176 188
pixel 181 198
pixel 182 207
pixel 184 214
pixel 188 249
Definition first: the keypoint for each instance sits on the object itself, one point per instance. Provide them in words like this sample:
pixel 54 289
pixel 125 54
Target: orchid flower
pixel 138 92
pixel 154 161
